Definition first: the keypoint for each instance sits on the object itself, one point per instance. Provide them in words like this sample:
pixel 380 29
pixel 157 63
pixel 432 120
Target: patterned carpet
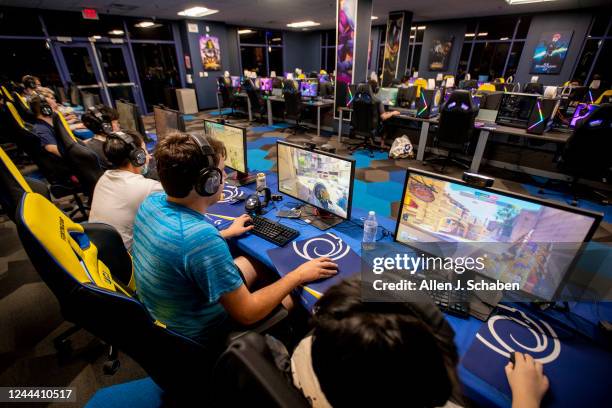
pixel 30 316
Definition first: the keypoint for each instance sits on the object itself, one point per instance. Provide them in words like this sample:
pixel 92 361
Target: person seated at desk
pixel 384 115
pixel 390 355
pixel 101 120
pixel 30 83
pixel 405 83
pixel 43 110
pixel 121 190
pixel 185 274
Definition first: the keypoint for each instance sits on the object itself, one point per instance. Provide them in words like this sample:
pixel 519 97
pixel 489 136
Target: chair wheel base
pixel 111 367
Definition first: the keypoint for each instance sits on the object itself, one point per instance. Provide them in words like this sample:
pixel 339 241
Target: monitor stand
pixel 239 179
pixel 318 218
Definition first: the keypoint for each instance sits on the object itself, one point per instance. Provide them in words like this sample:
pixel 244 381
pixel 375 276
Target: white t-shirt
pixel 117 197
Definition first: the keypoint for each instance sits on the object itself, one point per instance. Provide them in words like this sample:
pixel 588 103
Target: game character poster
pixel 439 54
pixel 550 52
pixel 392 48
pixel 345 49
pixel 210 53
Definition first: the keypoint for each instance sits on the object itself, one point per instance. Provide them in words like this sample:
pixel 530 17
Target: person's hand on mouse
pixel 527 381
pixel 315 269
pixel 238 227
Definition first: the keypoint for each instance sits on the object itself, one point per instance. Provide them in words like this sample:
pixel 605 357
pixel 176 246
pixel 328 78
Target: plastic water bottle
pixel 370 226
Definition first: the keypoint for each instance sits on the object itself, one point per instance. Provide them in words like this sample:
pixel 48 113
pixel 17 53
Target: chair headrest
pixel 15 115
pixel 600 117
pixel 7 94
pixel 65 242
pixel 460 99
pixel 62 129
pixel 363 89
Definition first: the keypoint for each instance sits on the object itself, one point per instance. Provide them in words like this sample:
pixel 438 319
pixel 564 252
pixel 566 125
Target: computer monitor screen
pixel 581 112
pixel 388 96
pixel 234 139
pixel 127 117
pixel 321 179
pixel 309 88
pixel 483 78
pixel 515 109
pixel 235 82
pixel 166 121
pixel 439 209
pixel 265 84
pixel 491 100
pixel 88 100
pixel 406 95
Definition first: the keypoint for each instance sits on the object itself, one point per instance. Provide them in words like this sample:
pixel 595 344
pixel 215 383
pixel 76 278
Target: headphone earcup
pixel 138 157
pixel 208 182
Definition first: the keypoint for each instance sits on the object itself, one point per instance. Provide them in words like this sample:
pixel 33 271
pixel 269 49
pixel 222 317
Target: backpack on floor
pixel 401 148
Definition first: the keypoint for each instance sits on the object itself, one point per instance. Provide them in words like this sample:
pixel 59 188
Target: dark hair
pixel 179 162
pixel 36 104
pixel 94 124
pixel 373 85
pixel 379 354
pixel 117 151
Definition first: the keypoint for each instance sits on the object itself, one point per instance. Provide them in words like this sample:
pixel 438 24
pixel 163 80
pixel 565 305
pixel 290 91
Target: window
pixel 495 45
pixel 20 22
pixel 261 50
pixel 417 32
pixel 328 50
pixel 33 55
pixel 596 53
pixel 158 70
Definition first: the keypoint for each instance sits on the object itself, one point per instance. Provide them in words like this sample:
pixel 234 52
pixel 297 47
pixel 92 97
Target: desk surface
pixel 552 136
pixel 351 233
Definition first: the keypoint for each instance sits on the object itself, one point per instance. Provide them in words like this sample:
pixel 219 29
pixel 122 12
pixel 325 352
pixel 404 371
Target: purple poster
pixel 210 53
pixel 345 49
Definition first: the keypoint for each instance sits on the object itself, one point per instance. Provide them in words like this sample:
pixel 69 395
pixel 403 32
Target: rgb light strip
pixel 424 103
pixel 541 117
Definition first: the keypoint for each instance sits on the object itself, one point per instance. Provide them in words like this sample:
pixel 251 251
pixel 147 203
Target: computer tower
pixel 541 115
pixel 428 103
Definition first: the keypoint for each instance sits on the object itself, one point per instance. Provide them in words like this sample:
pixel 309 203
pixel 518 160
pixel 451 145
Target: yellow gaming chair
pixel 420 83
pixel 487 87
pixel 13 185
pixel 605 95
pixel 90 295
pixel 7 94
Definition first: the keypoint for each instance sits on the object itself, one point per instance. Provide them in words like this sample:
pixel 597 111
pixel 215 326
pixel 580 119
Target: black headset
pixel 29 82
pixel 102 121
pixel 136 154
pixel 209 178
pixel 45 108
pixel 253 204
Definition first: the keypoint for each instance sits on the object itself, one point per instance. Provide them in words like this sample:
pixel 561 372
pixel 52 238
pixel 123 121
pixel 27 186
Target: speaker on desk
pixel 428 103
pixel 541 116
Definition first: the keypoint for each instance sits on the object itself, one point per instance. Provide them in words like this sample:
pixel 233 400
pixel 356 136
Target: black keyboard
pixel 455 302
pixel 273 231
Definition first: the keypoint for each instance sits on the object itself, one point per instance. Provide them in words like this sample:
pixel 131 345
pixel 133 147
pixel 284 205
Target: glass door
pixel 99 73
pixel 120 77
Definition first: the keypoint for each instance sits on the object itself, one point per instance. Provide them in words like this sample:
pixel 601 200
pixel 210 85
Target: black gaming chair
pixel 246 373
pixel 365 119
pixel 23 107
pixel 68 258
pixel 294 109
pixel 456 127
pixel 227 95
pixel 253 94
pixel 53 168
pixel 81 159
pixel 586 154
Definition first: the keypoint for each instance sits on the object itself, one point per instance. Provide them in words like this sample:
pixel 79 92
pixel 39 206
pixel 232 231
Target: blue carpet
pixel 399 176
pixel 566 199
pixel 134 394
pixel 363 159
pixel 223 112
pixel 188 118
pixel 363 199
pixel 257 161
pixel 263 129
pixel 257 144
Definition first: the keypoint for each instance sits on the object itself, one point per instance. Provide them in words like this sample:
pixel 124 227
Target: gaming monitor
pixel 234 139
pixel 515 109
pixel 265 84
pixel 130 118
pixel 309 89
pixel 406 96
pixel 166 121
pixel 323 180
pixel 438 209
pixel 388 96
pixel 235 81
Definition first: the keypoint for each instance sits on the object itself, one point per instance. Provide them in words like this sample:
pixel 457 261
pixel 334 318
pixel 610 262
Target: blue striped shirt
pixel 182 267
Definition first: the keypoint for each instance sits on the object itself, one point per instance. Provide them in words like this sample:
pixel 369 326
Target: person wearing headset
pixel 185 274
pixel 30 83
pixel 361 353
pixel 122 188
pixel 43 110
pixel 102 121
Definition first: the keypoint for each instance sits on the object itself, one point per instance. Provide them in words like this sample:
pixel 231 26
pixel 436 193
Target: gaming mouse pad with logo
pixel 326 245
pixel 230 206
pixel 578 370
